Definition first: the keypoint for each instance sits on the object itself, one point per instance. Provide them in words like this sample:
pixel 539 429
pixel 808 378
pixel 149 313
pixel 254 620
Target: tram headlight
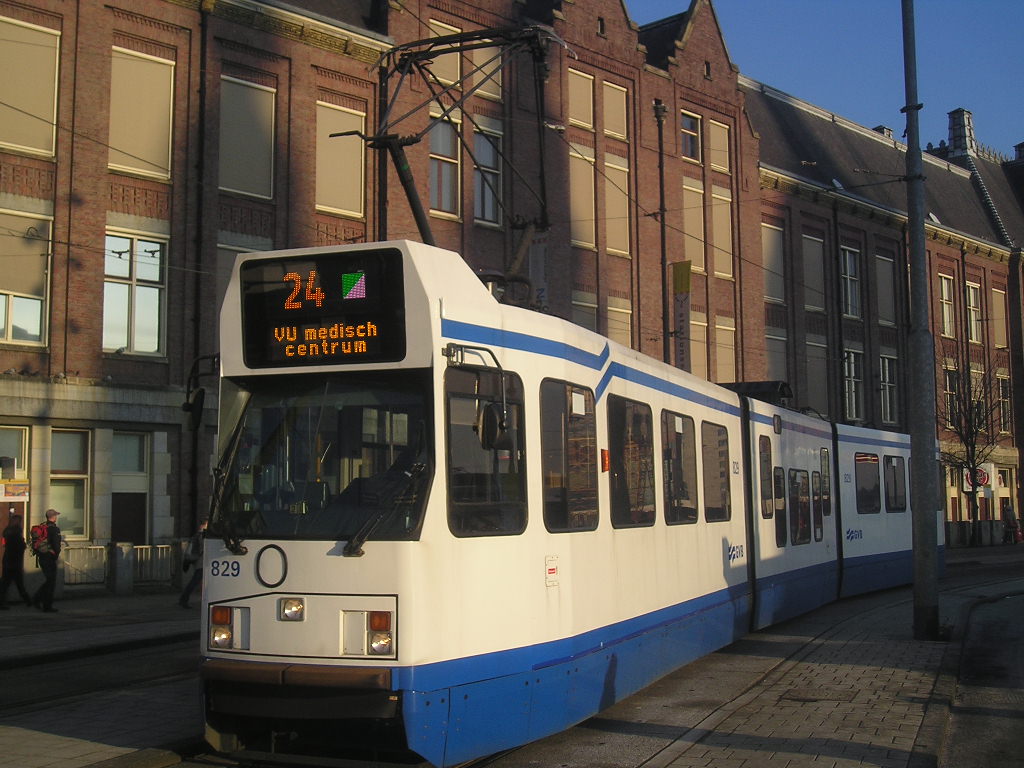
pixel 380 640
pixel 221 626
pixel 291 609
pixel 380 643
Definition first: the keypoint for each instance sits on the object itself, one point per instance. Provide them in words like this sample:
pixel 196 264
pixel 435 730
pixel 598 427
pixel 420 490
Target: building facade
pixel 625 177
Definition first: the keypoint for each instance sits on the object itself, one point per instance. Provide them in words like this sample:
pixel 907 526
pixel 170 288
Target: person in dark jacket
pixel 43 597
pixel 13 562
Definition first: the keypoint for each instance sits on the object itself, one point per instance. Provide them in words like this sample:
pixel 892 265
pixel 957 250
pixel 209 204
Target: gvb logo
pixel 852 534
pixel 735 552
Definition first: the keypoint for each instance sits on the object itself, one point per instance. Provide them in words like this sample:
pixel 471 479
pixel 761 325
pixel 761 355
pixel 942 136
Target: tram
pixel 444 526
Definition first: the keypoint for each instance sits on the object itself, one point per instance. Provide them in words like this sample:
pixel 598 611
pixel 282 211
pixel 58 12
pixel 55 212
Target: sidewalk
pixel 861 692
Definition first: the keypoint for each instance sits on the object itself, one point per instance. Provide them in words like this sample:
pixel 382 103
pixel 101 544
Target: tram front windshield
pixel 324 457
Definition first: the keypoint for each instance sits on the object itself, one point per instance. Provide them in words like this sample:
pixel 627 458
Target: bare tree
pixel 971 414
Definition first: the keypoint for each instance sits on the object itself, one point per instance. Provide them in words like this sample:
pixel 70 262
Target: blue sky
pixel 846 56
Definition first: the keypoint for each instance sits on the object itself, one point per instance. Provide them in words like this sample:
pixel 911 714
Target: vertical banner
pixel 681 303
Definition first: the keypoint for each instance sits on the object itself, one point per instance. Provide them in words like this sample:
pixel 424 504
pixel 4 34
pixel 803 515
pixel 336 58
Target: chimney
pixel 1018 150
pixel 885 130
pixel 961 134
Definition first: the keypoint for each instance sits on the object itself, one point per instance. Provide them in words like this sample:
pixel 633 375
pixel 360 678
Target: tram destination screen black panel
pixel 323 309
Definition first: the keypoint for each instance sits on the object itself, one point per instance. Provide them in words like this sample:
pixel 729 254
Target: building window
pixel 776 353
pixel 718 146
pixel 887 389
pixel 487 174
pixel 247 137
pixel 721 230
pixel 28 101
pixel 699 345
pixel 69 480
pixel 974 312
pixel 725 349
pixel 141 113
pixel 584 309
pixel 1005 403
pixel 951 395
pixel 13 453
pixel 689 130
pixel 619 320
pixel 444 167
pixel 813 253
pixel 616 204
pixel 615 124
pixel 853 384
pixel 816 395
pixel 488 72
pixel 998 321
pixel 23 288
pixel 946 306
pixel 885 289
pixel 133 294
pixel 850 279
pixel 447 67
pixel 693 222
pixel 772 257
pixel 581 99
pixel 340 160
pixel 581 196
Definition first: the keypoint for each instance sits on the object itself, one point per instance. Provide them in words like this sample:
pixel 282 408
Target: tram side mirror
pixel 490 428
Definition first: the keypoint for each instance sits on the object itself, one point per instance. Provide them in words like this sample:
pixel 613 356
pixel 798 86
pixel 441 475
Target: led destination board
pixel 323 309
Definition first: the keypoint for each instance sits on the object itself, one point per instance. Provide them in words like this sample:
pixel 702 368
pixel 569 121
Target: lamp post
pixel 660 110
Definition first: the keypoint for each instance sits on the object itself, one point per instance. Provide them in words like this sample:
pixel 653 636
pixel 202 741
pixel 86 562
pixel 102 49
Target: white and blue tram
pixel 446 526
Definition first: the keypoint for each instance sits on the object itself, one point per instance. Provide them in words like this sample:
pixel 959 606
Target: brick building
pixel 655 195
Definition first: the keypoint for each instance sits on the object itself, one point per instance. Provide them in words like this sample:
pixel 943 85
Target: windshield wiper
pixel 230 535
pixel 354 547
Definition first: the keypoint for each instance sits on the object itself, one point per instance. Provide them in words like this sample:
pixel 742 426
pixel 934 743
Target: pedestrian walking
pixel 193 558
pixel 46 547
pixel 13 562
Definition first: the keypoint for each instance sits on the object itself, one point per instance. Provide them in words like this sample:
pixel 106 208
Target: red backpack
pixel 39 537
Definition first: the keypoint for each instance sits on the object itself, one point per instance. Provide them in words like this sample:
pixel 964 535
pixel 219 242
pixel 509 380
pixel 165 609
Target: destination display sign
pixel 323 309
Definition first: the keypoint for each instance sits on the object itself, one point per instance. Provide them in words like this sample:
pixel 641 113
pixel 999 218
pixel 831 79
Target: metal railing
pixel 90 564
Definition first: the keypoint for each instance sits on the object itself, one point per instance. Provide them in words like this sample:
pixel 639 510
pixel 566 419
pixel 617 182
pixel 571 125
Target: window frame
pixel 45 149
pixel 710 459
pixel 631 504
pixel 888 383
pixel 342 153
pixel 266 190
pixel 134 284
pixel 850 280
pixel 10 298
pixel 853 384
pixel 73 477
pixel 719 136
pixel 972 300
pixel 676 462
pixel 449 184
pixel 690 136
pixel 947 306
pixel 132 152
pixel 587 519
pixel 575 99
pixel 487 180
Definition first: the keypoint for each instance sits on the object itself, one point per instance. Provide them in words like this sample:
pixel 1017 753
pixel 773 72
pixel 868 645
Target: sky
pixel 846 56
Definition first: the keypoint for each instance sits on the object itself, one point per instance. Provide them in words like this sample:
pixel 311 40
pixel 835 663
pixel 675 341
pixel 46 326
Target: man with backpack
pixel 46 547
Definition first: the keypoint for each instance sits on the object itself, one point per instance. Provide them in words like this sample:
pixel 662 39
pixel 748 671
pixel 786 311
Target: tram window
pixel 715 451
pixel 679 467
pixel 779 491
pixel 895 484
pixel 568 442
pixel 826 483
pixel 869 499
pixel 764 445
pixel 816 503
pixel 799 506
pixel 631 451
pixel 486 483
